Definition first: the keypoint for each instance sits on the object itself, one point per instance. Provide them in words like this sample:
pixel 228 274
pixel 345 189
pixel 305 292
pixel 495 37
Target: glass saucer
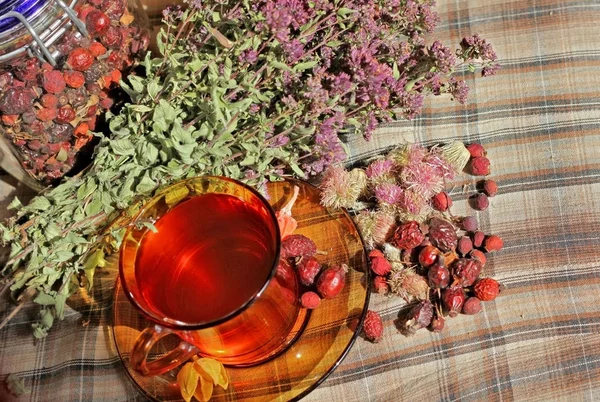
pixel 329 333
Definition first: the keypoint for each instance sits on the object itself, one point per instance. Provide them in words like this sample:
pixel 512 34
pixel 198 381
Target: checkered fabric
pixel 539 119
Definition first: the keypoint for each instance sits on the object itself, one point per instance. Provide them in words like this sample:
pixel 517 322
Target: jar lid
pixel 27 8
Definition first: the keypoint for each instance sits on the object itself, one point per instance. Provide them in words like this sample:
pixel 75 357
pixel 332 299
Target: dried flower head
pixel 340 188
pixel 406 283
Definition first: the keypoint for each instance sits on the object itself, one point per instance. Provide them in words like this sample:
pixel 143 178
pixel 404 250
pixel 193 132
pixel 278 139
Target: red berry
pixel 408 235
pixel 66 114
pixel 428 255
pixel 310 300
pixel 490 188
pixel 466 271
pixel 97 49
pixel 96 22
pixel 479 166
pixel 74 79
pixel 493 243
pixel 308 268
pixel 379 264
pixel 80 59
pixel 480 202
pixel 297 245
pixel 437 323
pixel 478 238
pixel 112 38
pixel 49 100
pixel 442 234
pixel 486 289
pixel 441 201
pixel 438 276
pixel 46 114
pixel 465 245
pixel 472 306
pixel 373 326
pixel 476 150
pixel 54 82
pixel 453 300
pixel 419 316
pixel 479 256
pixel 469 223
pixel 380 284
pixel 331 281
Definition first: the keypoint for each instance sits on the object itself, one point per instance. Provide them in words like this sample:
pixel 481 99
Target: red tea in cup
pixel 208 271
pixel 212 253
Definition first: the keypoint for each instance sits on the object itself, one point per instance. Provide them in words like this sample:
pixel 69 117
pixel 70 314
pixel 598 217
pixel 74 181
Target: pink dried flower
pixel 422 178
pixel 443 168
pixel 375 226
pixel 389 193
pixel 379 168
pixel 340 188
pixel 412 202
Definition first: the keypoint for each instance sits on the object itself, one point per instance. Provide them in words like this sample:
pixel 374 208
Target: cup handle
pixel 144 343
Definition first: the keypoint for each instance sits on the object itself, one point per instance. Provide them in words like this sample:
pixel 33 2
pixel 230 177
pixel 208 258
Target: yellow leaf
pixel 213 370
pixel 204 392
pixel 187 378
pixel 223 378
pixel 210 367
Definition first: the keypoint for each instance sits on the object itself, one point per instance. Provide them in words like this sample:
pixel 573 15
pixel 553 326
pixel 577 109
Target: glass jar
pixel 59 64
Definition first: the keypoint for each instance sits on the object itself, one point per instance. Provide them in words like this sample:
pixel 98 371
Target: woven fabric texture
pixel 539 119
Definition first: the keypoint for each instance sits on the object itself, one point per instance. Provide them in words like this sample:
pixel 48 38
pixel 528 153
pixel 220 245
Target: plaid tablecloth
pixel 539 119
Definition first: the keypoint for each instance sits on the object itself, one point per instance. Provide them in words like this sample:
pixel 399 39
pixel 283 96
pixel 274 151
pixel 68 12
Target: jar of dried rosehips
pixel 59 64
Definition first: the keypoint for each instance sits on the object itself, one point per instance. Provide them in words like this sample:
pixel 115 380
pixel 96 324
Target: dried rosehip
pixel 49 100
pixel 54 82
pixel 17 100
pixel 476 150
pixel 465 245
pixel 480 202
pixel 428 255
pixel 28 70
pixel 442 234
pixel 493 243
pixel 96 22
pixel 380 284
pixel 6 79
pixel 438 276
pixel 453 299
pixel 471 306
pixel 80 59
pixel 331 281
pixel 46 114
pixel 297 245
pixel 9 119
pixel 437 323
pixel 373 326
pixel 81 130
pixel 66 114
pixel 310 300
pixel 469 223
pixel 441 201
pixel 112 38
pixel 97 49
pixel 479 256
pixel 74 79
pixel 106 103
pixel 408 235
pixel 419 316
pixel 490 188
pixel 486 289
pixel 287 280
pixel 379 264
pixel 308 268
pixel 465 271
pixel 115 75
pixel 479 166
pixel 478 238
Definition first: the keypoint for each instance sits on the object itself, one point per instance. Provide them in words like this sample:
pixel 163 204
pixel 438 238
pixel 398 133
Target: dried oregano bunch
pixel 248 89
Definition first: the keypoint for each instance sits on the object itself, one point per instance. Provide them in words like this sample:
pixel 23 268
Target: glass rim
pixel 180 325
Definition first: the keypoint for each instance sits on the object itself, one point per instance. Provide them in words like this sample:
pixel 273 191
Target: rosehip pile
pixel 447 253
pixel 317 282
pixel 48 112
